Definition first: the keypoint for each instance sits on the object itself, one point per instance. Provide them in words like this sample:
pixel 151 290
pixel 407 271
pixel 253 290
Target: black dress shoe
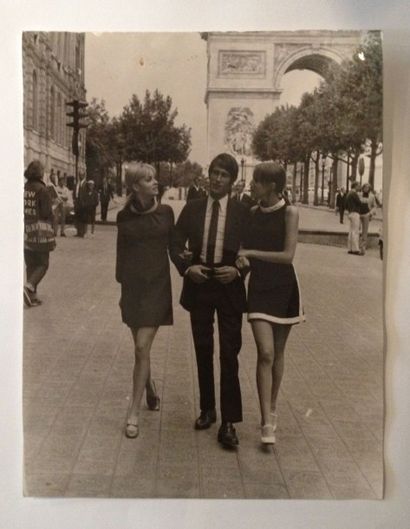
pixel 205 420
pixel 227 435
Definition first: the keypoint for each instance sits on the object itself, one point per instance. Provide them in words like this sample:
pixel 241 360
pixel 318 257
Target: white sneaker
pixel 268 434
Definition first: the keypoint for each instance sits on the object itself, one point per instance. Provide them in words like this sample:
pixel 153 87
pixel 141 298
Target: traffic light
pixel 77 114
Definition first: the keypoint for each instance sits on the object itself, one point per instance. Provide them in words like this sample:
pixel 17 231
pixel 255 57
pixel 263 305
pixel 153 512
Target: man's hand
pixel 198 273
pixel 225 274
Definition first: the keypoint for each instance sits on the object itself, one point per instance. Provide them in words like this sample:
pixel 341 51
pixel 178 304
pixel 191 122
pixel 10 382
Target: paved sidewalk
pixel 78 360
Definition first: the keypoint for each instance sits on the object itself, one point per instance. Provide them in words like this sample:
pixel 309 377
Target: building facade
pixel 53 74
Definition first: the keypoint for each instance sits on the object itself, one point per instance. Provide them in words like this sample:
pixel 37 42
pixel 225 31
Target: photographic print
pixel 203 248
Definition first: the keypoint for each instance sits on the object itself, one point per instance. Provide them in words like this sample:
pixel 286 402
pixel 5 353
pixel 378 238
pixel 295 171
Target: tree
pixel 186 172
pixel 98 142
pixel 365 77
pixel 150 133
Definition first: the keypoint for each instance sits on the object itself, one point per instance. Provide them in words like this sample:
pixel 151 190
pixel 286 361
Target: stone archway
pixel 244 77
pixel 317 61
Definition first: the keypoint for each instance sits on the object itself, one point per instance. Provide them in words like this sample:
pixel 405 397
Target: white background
pixel 132 15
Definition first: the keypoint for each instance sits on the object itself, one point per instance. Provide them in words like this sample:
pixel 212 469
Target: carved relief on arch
pixel 239 129
pixel 248 63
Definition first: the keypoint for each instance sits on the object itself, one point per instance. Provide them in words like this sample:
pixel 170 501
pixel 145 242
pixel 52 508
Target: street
pixel 78 360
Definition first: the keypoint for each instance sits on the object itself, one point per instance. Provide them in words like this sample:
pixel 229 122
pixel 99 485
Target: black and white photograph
pixel 203 250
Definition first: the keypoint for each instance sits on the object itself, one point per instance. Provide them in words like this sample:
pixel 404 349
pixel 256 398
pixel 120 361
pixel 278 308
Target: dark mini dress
pixel 143 265
pixel 273 293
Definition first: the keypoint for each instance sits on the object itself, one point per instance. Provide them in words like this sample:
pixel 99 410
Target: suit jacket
pixel 106 194
pixel 190 229
pixel 246 200
pixel 80 198
pixel 194 193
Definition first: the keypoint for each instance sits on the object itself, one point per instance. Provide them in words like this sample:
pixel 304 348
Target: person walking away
pixel 353 206
pixel 61 210
pixel 274 301
pixel 195 190
pixel 39 239
pixel 80 211
pixel 214 226
pixel 341 203
pixel 242 197
pixel 106 194
pixel 91 203
pixel 368 210
pixel 144 233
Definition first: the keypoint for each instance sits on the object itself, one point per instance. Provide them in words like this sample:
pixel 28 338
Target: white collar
pixel 223 202
pixel 275 207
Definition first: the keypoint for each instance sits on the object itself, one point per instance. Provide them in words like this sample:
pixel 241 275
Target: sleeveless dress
pixel 273 292
pixel 143 266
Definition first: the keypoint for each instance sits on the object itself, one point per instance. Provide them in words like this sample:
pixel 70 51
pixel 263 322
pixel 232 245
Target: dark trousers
pixel 341 214
pixel 81 221
pixel 104 210
pixel 211 298
pixel 36 266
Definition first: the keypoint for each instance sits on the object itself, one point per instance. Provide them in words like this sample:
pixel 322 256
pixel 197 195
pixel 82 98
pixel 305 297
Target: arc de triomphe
pixel 245 71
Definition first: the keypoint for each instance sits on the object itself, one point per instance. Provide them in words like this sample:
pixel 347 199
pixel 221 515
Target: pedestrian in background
pixel 353 206
pixel 368 210
pixel 341 203
pixel 274 302
pixel 106 194
pixel 39 237
pixel 195 190
pixel 90 204
pixel 61 209
pixel 242 197
pixel 80 210
pixel 144 234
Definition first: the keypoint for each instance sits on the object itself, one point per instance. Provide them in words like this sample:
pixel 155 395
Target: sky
pixel 118 65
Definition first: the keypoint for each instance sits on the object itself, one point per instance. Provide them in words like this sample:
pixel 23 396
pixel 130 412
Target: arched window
pixel 35 101
pixel 58 120
pixel 52 112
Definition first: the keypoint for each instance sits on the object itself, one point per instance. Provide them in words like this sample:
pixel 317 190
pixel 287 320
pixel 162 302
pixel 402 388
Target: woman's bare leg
pixel 143 338
pixel 262 332
pixel 280 336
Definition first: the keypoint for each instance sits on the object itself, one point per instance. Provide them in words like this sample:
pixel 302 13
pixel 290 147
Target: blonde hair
pixel 134 173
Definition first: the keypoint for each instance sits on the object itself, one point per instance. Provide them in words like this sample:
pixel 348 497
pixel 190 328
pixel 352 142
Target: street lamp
pixel 242 169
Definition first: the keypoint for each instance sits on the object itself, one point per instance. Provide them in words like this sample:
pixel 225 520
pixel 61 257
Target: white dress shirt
pixel 220 231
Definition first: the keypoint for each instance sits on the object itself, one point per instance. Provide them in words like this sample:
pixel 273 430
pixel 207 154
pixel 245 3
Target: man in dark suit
pixel 341 203
pixel 243 197
pixel 106 194
pixel 195 190
pixel 213 227
pixel 80 199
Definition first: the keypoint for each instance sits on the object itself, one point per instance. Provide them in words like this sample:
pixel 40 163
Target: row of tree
pixel 145 131
pixel 341 119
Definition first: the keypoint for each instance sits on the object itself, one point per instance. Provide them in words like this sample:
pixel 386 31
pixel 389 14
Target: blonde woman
pixel 144 232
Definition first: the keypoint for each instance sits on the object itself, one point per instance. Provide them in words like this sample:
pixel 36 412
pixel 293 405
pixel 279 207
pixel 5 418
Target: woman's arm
pixel 121 249
pixel 291 238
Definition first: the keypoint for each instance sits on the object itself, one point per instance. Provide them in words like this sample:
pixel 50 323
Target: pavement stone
pixel 78 360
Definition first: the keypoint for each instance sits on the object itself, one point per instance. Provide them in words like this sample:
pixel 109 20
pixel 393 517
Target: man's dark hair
pixel 270 172
pixel 227 162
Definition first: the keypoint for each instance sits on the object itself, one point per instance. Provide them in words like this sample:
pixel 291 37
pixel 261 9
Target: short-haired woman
pixel 274 303
pixel 144 232
pixel 39 237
